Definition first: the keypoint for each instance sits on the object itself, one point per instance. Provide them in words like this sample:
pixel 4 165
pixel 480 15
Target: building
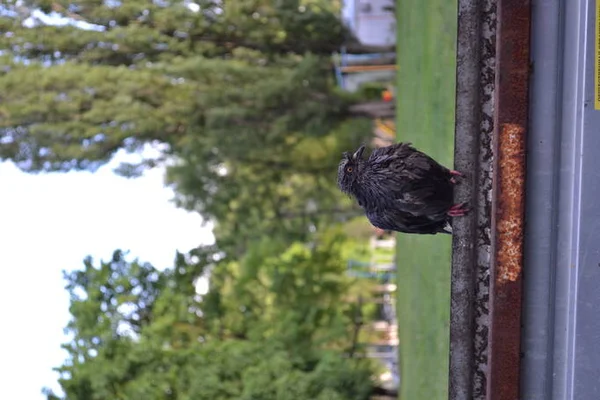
pixel 372 21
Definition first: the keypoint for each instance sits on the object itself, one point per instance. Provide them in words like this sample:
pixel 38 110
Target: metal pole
pixel 508 205
pixel 475 83
pixel 491 121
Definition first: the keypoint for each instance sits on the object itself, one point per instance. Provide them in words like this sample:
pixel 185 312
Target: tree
pixel 273 326
pixel 141 73
pixel 251 127
pixel 276 193
pixel 75 116
pixel 253 145
pixel 124 33
pixel 251 133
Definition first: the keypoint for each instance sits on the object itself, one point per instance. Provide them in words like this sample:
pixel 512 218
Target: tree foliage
pixel 272 326
pixel 125 32
pixel 170 71
pixel 250 132
pixel 240 98
pixel 76 116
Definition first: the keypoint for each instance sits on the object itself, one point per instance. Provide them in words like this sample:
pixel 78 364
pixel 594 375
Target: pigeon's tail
pixel 447 228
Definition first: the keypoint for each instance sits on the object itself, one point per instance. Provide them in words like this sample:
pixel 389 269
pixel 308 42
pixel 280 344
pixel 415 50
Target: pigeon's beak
pixel 358 154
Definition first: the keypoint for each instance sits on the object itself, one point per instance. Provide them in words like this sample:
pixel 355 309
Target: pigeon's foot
pixel 458 210
pixel 455 174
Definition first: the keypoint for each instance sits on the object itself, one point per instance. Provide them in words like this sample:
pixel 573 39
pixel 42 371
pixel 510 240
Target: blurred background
pixel 170 225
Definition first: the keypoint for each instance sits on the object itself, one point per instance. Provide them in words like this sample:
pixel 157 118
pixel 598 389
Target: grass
pixel 425 117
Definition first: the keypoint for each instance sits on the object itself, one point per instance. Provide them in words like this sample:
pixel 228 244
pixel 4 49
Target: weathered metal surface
pixel 541 242
pixel 475 83
pixel 560 313
pixel 491 120
pixel 512 107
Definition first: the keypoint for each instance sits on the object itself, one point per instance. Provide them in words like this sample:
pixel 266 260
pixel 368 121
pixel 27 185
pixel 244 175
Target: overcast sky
pixel 50 222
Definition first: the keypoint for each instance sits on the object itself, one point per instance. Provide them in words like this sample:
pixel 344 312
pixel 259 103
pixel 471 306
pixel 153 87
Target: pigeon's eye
pixel 349 169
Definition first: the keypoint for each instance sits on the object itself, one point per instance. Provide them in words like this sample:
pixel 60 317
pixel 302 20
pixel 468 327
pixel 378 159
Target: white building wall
pixel 370 22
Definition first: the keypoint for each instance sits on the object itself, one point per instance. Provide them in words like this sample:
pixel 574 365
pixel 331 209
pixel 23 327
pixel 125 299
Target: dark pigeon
pixel 401 189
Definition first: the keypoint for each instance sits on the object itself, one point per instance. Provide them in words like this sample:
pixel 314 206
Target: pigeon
pixel 401 189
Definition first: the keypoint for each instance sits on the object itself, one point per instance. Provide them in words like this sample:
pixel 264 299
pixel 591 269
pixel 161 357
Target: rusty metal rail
pixel 508 205
pixel 491 125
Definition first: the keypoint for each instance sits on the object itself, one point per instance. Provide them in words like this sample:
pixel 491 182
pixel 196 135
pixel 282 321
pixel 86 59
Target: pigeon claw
pixel 455 174
pixel 458 210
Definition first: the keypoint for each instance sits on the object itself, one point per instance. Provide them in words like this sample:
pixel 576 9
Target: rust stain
pixel 510 210
pixel 508 206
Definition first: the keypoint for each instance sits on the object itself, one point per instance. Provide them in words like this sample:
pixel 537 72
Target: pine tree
pixel 251 132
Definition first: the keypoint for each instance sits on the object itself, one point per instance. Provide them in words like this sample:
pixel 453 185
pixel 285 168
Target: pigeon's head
pixel 350 169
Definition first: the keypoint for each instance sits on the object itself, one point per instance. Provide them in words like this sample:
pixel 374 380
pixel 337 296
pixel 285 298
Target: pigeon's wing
pixel 406 163
pixel 419 202
pixel 419 185
pixel 420 165
pixel 407 223
pixel 430 196
pixel 395 154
